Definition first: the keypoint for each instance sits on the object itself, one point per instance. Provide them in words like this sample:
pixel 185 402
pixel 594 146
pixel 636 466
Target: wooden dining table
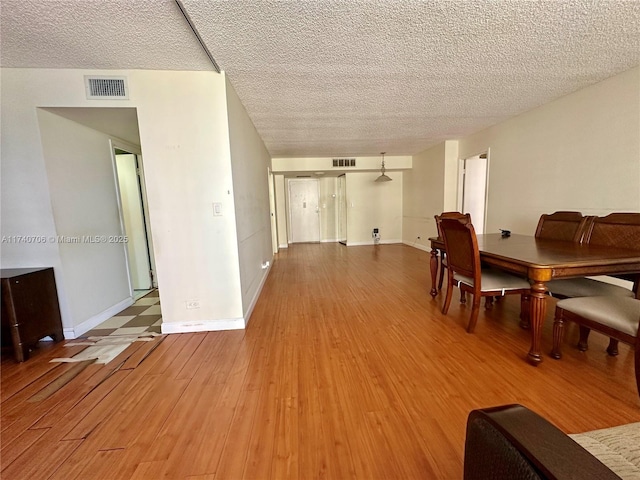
pixel 540 260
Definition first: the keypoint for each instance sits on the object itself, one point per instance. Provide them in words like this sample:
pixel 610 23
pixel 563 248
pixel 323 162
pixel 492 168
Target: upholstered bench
pixel 512 442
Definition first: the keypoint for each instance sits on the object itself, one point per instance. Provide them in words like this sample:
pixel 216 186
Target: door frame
pixel 134 150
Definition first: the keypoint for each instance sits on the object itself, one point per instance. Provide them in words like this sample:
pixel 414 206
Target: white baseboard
pixel 382 242
pixel 329 240
pixel 84 327
pixel 283 245
pixel 254 300
pixel 218 325
pixel 203 326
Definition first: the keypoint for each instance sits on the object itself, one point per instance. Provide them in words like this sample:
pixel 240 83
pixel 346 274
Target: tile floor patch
pixel 143 321
pixel 153 310
pixel 130 321
pixel 129 330
pixel 147 301
pixel 132 310
pixel 116 322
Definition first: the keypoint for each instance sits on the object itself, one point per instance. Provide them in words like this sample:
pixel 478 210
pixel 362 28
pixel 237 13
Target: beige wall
pixel 250 162
pixel 328 209
pixel 84 202
pixel 580 152
pixel 184 134
pixel 372 204
pixel 423 188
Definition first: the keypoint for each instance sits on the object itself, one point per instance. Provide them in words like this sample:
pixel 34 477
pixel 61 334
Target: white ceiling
pixel 346 77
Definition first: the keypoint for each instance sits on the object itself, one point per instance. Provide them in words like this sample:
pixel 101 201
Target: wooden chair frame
pixel 463 253
pixel 443 263
pixel 563 225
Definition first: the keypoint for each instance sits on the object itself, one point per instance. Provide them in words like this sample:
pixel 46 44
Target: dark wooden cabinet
pixel 30 309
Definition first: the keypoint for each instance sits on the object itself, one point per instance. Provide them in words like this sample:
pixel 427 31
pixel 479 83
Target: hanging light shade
pixel 383 177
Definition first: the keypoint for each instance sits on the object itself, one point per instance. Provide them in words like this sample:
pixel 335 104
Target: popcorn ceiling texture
pixel 347 77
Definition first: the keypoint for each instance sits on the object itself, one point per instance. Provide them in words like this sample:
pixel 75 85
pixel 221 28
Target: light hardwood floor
pixel 346 370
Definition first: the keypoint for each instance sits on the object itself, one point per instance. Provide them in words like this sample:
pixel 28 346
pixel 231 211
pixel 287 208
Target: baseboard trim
pixel 203 326
pixel 84 327
pixel 382 242
pixel 252 305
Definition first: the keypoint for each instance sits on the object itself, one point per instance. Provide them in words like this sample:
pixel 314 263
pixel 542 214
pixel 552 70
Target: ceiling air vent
pixel 344 162
pixel 107 88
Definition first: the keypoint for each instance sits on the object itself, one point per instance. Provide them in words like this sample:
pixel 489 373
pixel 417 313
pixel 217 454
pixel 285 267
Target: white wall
pixel 328 209
pixel 184 136
pixel 372 204
pixel 84 201
pixel 580 152
pixel 423 188
pixel 250 161
pixel 313 164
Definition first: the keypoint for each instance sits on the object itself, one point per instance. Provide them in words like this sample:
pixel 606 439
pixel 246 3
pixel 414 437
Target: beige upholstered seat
pixel 585 287
pixel 617 317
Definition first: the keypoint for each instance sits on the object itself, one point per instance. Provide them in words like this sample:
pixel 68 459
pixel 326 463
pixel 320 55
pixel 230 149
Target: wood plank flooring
pixel 346 370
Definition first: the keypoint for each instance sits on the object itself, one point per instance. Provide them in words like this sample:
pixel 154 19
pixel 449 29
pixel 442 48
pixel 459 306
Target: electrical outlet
pixel 192 304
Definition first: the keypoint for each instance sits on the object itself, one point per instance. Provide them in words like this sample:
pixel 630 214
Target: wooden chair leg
pixel 612 349
pixel 442 269
pixel 583 343
pixel 447 298
pixel 475 309
pixel 525 314
pixel 558 335
pixel 488 303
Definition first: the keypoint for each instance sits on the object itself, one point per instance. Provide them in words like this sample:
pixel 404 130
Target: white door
pixel 304 210
pixel 134 222
pixel 474 190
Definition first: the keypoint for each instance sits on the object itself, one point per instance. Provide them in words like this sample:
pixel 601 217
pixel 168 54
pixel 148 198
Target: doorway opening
pixel 134 219
pixel 342 209
pixel 473 184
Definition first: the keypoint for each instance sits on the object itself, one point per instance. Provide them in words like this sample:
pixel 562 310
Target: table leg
pixel 434 271
pixel 538 301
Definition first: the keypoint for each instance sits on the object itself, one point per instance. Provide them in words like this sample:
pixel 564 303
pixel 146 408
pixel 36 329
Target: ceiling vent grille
pixel 106 88
pixel 344 162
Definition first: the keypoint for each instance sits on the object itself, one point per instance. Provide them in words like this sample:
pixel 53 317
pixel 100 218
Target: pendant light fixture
pixel 383 177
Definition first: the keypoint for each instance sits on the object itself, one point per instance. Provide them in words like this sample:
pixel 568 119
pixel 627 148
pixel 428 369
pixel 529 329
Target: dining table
pixel 539 261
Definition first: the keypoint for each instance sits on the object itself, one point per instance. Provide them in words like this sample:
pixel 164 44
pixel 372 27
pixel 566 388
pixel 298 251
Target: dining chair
pixel 620 230
pixel 443 255
pixel 465 271
pixel 562 225
pixel 617 317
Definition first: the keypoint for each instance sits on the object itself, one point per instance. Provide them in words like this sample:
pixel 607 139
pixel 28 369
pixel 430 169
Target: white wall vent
pixel 106 88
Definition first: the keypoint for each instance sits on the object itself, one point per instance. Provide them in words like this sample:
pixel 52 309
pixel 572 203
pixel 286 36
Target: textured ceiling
pixel 347 77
